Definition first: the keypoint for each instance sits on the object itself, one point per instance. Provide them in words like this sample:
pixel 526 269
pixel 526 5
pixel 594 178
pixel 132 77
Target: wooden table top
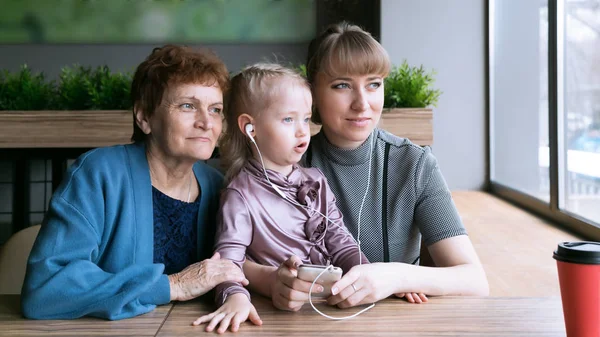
pixel 448 316
pixel 12 323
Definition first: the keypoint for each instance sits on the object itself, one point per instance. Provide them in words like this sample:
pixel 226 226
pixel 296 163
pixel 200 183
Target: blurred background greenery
pixel 154 21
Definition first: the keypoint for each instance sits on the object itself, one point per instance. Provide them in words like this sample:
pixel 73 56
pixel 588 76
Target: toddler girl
pixel 272 208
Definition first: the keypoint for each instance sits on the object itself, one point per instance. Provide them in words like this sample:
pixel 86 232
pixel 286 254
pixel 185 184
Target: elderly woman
pixel 126 228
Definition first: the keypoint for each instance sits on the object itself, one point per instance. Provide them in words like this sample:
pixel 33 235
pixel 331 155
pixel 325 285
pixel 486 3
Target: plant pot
pixel 415 124
pixel 95 128
pixel 65 129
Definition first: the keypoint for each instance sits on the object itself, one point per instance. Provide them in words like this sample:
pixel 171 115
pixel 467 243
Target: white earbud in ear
pixel 249 128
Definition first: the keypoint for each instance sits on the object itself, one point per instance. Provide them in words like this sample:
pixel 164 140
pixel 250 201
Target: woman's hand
pixel 288 292
pixel 367 283
pixel 199 278
pixel 236 309
pixel 413 297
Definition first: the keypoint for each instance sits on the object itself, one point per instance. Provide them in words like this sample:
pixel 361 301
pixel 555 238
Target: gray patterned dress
pixel 408 196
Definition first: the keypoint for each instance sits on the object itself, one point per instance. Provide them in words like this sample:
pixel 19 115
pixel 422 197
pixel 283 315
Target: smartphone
pixel 308 272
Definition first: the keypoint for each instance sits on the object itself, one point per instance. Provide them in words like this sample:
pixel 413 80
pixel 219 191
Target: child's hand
pixel 413 297
pixel 236 309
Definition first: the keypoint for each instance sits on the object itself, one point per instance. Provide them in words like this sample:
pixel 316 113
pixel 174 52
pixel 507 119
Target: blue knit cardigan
pixel 94 253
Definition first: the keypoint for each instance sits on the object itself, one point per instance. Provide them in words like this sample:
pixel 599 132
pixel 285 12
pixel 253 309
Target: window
pixel 40 190
pixel 519 88
pixel 544 84
pixel 581 114
pixel 6 199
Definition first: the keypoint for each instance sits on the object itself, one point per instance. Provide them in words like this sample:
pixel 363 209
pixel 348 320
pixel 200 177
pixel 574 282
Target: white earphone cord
pixel 326 227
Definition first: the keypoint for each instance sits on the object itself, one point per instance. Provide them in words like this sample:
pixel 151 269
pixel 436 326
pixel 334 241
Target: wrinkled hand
pixel 372 283
pixel 288 292
pixel 413 297
pixel 236 309
pixel 199 278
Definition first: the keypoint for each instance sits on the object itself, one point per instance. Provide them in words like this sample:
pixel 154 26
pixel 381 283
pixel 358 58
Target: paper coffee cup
pixel 578 266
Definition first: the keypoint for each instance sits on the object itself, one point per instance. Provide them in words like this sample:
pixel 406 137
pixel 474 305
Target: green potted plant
pixel 408 98
pixel 89 107
pixel 85 107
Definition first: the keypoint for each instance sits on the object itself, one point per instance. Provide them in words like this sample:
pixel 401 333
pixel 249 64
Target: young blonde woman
pixel 272 208
pixel 407 197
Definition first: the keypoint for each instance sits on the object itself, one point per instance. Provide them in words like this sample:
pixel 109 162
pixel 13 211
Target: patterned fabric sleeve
pixel 435 212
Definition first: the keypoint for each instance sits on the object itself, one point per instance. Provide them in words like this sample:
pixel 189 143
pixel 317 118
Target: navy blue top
pixel 174 231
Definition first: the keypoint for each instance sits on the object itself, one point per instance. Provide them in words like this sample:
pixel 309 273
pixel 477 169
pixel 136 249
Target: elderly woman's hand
pixel 201 277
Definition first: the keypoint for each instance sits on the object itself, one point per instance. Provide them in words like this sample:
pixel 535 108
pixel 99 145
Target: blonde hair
pixel 345 49
pixel 251 91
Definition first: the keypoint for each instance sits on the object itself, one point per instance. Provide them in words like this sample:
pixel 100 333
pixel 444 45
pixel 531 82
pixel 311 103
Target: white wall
pixel 448 36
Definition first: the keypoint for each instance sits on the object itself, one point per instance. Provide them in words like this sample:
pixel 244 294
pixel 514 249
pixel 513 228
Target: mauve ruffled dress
pixel 255 222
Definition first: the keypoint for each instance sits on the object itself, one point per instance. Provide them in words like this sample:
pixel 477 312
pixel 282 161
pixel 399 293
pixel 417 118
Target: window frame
pixel 567 220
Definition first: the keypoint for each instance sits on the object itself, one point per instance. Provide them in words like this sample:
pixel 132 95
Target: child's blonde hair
pixel 251 91
pixel 345 49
